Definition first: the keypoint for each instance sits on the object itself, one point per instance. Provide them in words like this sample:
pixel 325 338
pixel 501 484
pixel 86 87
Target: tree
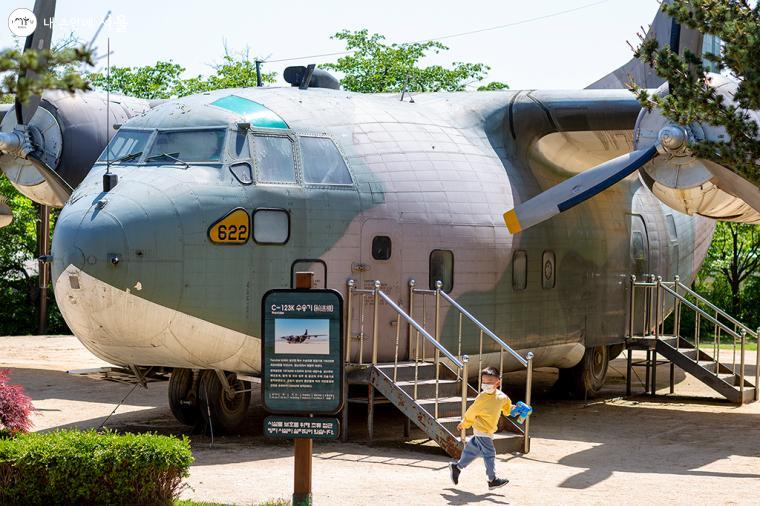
pixel 46 66
pixel 164 79
pixel 376 67
pixel 734 255
pixel 693 99
pixel 494 86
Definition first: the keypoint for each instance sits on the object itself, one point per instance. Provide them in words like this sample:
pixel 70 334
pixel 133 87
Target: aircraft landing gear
pixel 183 396
pixel 223 411
pixel 586 378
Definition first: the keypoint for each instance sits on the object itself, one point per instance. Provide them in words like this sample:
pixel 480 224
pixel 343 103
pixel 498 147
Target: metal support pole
pixel 632 308
pixel 657 307
pixel 672 378
pixel 43 248
pixel 741 366
pixel 370 413
pixel 411 315
pixel 375 339
pixel 528 389
pixel 757 365
pixel 349 301
pixel 654 372
pixel 647 367
pixel 628 371
pixel 438 285
pixel 465 360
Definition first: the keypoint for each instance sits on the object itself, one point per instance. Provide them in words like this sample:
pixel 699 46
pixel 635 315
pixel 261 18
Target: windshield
pixel 126 143
pixel 188 146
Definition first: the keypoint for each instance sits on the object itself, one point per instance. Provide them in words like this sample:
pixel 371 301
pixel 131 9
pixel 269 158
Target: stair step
pixel 406 370
pixel 447 406
pixel 426 388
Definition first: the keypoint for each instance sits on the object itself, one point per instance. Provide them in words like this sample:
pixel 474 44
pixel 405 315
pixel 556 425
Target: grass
pixel 272 502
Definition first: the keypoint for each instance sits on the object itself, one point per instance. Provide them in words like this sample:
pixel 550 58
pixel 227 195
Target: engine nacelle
pixel 69 131
pixel 691 185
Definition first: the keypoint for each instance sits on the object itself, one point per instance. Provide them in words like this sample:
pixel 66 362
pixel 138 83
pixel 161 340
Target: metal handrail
pixel 718 310
pixel 703 313
pixel 738 333
pixel 485 329
pixel 419 329
pixel 460 364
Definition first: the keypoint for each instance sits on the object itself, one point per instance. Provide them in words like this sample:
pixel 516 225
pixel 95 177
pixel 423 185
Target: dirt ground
pixel 687 448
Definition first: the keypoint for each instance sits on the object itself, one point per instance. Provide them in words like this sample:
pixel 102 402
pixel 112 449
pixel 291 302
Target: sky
pixel 563 51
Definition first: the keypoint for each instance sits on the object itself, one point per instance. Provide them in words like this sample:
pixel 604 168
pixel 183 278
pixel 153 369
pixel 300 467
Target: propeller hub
pixel 674 140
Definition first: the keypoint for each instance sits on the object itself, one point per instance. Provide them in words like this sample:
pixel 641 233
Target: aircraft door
pixel 639 251
pixel 381 256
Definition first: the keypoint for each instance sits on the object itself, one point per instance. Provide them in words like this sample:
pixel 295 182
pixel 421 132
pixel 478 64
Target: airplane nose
pixel 91 239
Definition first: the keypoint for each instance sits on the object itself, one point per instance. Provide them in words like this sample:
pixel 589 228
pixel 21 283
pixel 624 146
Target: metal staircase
pixel 430 385
pixel 655 303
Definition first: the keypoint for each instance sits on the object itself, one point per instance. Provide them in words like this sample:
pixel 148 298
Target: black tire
pixel 222 413
pixel 586 378
pixel 615 351
pixel 183 397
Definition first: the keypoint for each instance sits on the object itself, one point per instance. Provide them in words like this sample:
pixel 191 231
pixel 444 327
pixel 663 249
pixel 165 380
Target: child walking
pixel 483 416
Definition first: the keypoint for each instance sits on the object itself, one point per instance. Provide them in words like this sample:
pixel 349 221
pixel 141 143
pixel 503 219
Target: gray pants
pixel 479 446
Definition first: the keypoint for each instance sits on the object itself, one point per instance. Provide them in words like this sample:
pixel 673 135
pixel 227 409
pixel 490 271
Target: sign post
pixel 302 370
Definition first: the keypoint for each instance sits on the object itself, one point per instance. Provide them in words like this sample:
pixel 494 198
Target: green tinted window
pixel 188 146
pixel 127 144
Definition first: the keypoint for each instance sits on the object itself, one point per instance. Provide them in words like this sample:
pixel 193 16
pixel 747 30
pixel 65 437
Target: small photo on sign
pixel 308 336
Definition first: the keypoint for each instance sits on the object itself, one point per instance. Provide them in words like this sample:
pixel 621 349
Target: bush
pixel 73 467
pixel 15 406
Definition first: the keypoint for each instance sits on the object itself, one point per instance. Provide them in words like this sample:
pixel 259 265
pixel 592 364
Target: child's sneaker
pixel 454 470
pixel 497 483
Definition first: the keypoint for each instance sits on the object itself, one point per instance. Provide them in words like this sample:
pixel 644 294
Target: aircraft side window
pixel 271 226
pixel 238 145
pixel 520 270
pixel 274 159
pixel 548 276
pixel 322 162
pixel 242 172
pixel 442 269
pixel 381 247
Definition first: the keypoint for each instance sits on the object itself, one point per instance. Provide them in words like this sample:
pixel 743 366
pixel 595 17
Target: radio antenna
pixel 108 103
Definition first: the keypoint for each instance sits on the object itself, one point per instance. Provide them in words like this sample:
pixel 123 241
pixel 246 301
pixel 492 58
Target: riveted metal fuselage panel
pixel 441 170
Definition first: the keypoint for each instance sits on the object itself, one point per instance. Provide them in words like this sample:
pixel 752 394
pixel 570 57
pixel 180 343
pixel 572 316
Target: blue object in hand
pixel 521 411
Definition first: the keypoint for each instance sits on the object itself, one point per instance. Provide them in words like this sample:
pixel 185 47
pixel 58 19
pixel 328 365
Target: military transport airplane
pixel 300 338
pixel 198 206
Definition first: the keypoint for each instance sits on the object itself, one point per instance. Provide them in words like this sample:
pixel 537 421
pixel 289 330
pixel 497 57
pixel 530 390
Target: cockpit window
pixel 187 145
pixel 274 159
pixel 322 162
pixel 126 145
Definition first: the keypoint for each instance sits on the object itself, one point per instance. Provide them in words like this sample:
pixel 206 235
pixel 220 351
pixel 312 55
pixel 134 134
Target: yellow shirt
pixel 483 414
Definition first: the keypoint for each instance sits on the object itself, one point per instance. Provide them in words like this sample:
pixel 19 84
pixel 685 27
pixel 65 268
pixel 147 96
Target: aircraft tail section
pixel 668 33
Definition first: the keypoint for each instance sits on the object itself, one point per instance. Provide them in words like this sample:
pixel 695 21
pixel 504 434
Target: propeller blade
pixel 44 10
pixel 6 216
pixel 575 190
pixel 60 187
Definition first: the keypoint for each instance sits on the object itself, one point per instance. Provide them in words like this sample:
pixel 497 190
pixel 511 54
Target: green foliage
pixel 18 290
pixel 494 86
pixel 376 67
pixel 72 467
pixel 45 65
pixel 164 79
pixel 732 260
pixel 693 99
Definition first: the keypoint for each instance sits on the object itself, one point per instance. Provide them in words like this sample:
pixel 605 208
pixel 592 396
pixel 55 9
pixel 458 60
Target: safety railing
pixel 438 295
pixel 663 298
pixel 459 364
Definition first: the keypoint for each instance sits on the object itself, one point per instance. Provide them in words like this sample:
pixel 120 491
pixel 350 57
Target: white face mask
pixel 488 388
